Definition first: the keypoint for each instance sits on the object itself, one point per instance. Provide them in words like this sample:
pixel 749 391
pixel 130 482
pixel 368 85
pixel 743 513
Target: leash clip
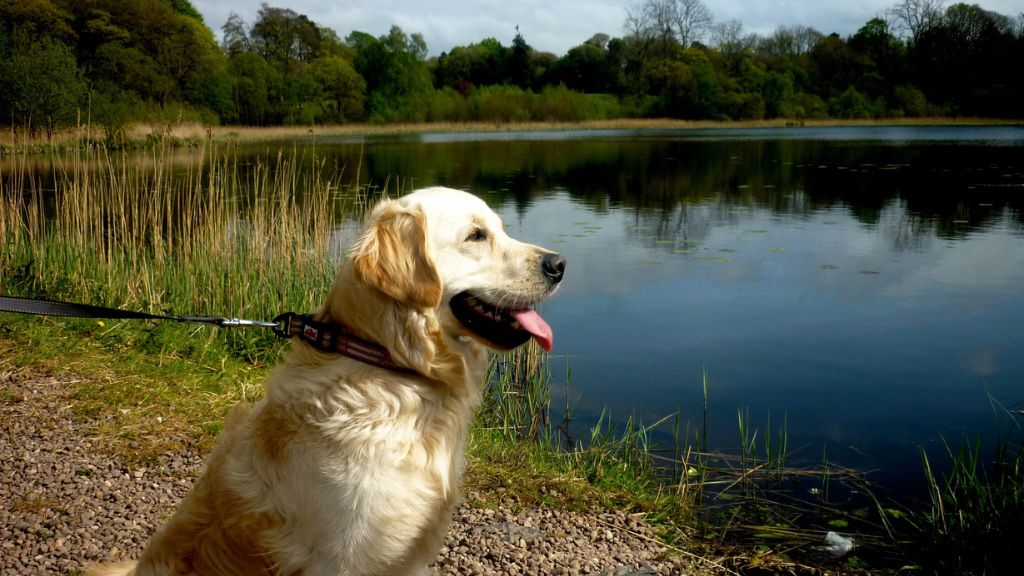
pixel 282 325
pixel 238 322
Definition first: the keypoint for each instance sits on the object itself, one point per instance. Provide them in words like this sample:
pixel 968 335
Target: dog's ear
pixel 393 256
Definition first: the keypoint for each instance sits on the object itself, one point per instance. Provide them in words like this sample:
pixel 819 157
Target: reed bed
pixel 206 237
pixel 972 521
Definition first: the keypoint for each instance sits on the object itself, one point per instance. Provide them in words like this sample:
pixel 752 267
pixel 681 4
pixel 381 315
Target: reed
pixel 517 401
pixel 200 238
pixel 972 522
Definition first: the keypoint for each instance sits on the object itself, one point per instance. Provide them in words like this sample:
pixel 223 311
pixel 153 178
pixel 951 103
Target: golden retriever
pixel 345 468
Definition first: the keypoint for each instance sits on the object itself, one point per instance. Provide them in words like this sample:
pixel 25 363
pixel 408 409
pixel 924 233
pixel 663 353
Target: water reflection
pixel 786 176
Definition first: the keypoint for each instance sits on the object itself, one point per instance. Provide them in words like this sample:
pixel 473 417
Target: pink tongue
pixel 534 324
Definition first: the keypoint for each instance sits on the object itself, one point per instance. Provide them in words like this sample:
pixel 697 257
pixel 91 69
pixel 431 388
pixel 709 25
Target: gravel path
pixel 64 502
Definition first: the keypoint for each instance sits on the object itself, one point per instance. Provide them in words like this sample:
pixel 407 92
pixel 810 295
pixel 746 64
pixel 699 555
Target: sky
pixel 552 25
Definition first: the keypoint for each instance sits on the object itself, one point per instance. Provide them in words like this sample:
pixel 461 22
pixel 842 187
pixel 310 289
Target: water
pixel 861 284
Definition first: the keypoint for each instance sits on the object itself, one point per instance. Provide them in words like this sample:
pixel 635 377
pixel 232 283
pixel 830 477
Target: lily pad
pixel 894 513
pixel 715 259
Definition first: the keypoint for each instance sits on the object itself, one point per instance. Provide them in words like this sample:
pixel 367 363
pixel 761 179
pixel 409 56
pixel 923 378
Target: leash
pixel 321 335
pixel 42 307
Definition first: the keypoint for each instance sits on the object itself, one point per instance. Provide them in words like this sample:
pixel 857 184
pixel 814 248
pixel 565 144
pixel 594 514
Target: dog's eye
pixel 477 235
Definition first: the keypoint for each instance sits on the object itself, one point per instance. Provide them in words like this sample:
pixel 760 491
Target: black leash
pixel 44 307
pixel 322 336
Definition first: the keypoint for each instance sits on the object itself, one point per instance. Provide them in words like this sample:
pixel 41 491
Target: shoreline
pixel 144 135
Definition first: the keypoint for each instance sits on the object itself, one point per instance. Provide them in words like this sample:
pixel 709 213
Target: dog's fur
pixel 344 468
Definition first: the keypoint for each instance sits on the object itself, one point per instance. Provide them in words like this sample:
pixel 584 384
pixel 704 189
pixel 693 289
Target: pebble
pixel 64 503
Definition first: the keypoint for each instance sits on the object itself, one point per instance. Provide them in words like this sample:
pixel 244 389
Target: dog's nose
pixel 554 267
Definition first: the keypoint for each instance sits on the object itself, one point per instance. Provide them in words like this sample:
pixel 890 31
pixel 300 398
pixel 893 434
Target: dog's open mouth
pixel 502 328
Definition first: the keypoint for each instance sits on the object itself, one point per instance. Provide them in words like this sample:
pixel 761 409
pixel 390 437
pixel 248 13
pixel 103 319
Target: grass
pixel 213 238
pixel 205 239
pixel 972 523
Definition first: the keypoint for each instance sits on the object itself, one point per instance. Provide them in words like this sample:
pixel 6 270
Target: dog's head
pixel 447 273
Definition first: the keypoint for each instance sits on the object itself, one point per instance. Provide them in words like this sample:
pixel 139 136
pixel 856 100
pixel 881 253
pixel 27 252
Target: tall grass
pixel 207 237
pixel 972 523
pixel 750 495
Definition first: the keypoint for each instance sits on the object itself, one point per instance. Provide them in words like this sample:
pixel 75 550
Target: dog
pixel 347 468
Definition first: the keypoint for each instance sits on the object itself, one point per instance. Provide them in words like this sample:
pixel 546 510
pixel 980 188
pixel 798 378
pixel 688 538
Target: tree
pixel 146 50
pixel 730 40
pixel 599 40
pixel 835 67
pixel 394 68
pixel 667 21
pixel 586 68
pixel 284 37
pixel 886 55
pixel 517 68
pixel 185 8
pixel 344 90
pixel 32 98
pixel 913 17
pixel 960 62
pixel 692 20
pixel 36 18
pixel 480 64
pixel 789 41
pixel 256 85
pixel 235 36
pixel 650 26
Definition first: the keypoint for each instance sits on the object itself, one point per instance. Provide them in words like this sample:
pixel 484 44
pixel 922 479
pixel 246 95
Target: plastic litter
pixel 837 545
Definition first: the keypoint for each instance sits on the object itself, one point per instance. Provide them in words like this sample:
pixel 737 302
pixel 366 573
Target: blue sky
pixel 552 25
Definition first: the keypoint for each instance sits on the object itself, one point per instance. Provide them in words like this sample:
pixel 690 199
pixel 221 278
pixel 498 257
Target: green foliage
pixel 284 37
pixel 343 89
pixel 852 104
pixel 256 83
pixel 961 62
pixel 122 59
pixel 185 8
pixel 505 104
pixel 394 69
pixel 40 101
pixel 909 101
pixel 973 523
pixel 480 64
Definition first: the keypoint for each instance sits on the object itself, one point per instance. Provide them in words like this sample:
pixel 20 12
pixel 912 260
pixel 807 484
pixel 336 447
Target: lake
pixel 861 284
pixel 864 285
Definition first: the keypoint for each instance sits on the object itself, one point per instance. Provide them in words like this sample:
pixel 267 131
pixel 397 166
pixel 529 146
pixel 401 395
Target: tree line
pixel 116 61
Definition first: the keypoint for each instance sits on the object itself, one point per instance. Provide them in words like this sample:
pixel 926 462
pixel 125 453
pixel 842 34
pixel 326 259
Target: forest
pixel 115 62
